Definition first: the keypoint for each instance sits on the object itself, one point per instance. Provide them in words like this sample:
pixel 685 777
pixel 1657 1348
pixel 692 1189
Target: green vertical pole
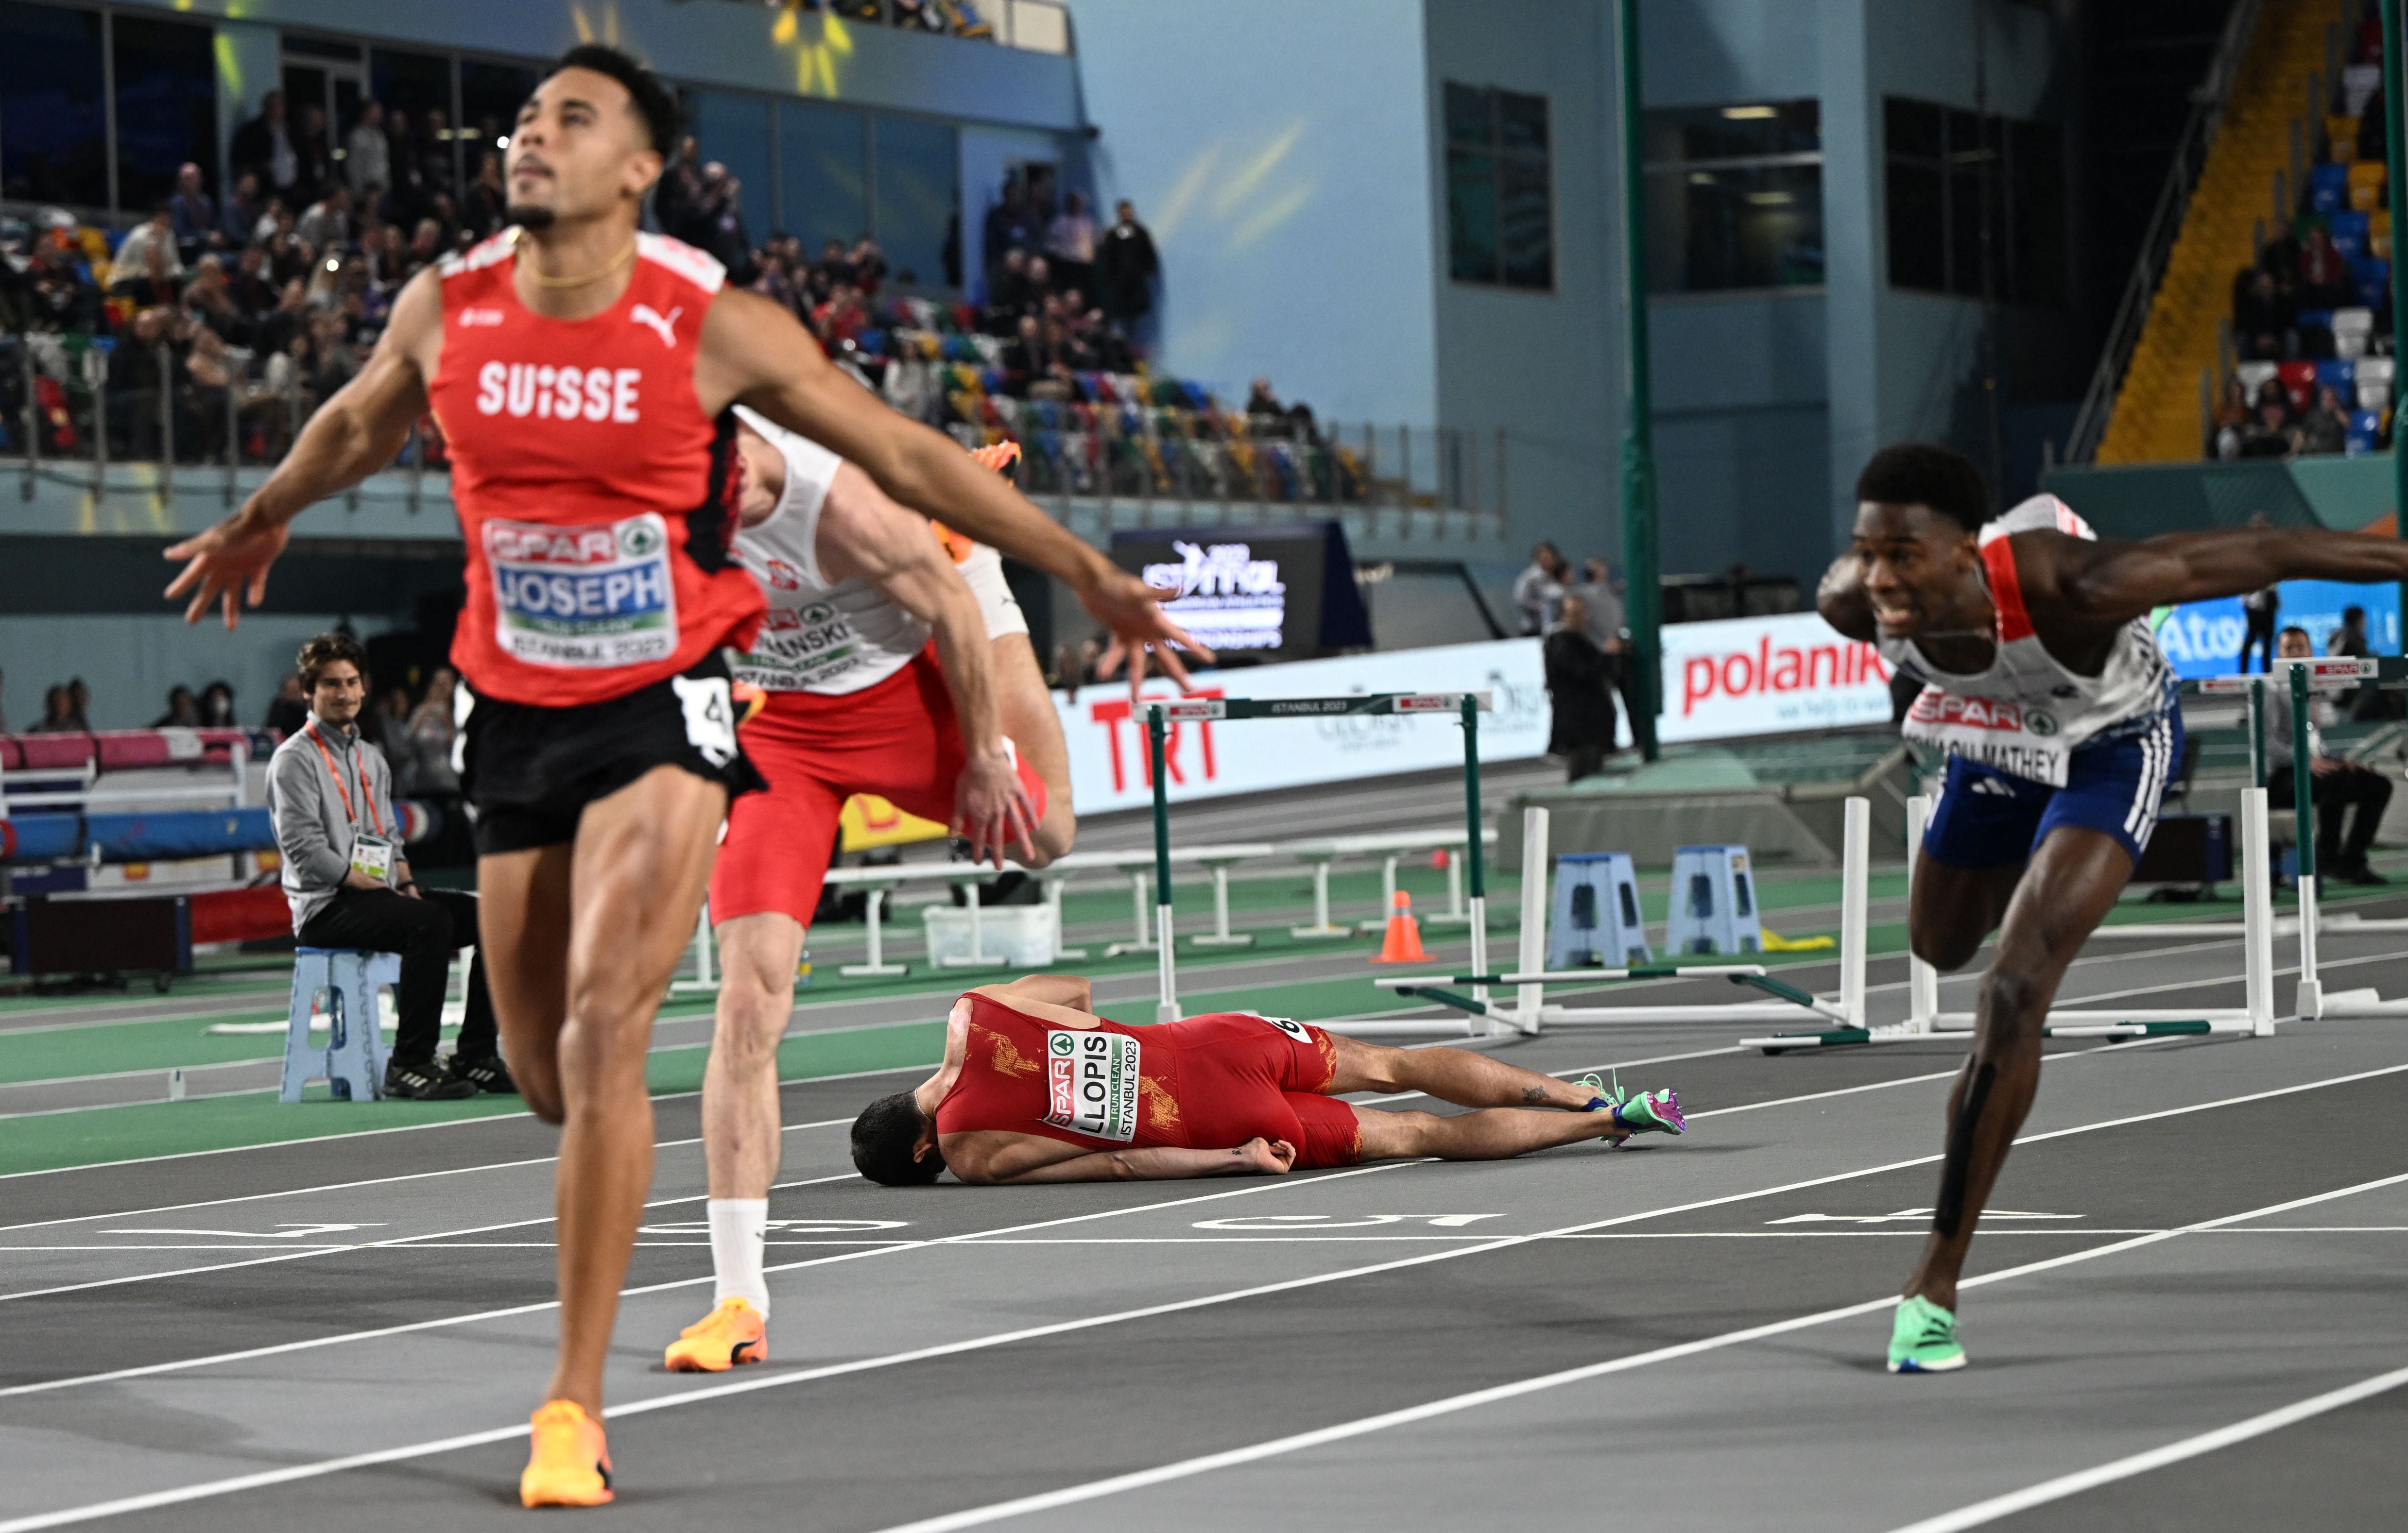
pixel 2303 803
pixel 2257 730
pixel 2395 139
pixel 1643 577
pixel 1166 1007
pixel 1477 882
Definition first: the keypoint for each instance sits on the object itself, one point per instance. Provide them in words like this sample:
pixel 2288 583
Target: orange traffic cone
pixel 1403 943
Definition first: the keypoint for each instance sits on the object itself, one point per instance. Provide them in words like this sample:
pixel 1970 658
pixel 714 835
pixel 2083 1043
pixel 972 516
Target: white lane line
pixel 1473 1399
pixel 443 1322
pixel 2158 1459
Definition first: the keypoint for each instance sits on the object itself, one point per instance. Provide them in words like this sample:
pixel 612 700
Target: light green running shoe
pixel 1649 1112
pixel 1923 1338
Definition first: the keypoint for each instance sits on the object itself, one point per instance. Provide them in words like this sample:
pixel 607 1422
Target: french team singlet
pixel 822 636
pixel 2025 713
pixel 594 494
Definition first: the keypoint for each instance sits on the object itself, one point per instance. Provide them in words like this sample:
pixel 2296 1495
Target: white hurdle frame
pixel 1531 1014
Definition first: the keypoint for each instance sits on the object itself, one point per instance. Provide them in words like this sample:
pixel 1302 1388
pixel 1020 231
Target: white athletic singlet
pixel 2027 712
pixel 822 636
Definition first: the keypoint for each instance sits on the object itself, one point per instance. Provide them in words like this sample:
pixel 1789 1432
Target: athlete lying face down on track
pixel 1036 1087
pixel 2044 686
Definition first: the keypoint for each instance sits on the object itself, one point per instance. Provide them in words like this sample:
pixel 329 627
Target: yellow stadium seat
pixel 2343 133
pixel 2366 185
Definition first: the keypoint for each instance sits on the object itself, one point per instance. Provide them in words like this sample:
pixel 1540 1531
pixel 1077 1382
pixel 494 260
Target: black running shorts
pixel 529 772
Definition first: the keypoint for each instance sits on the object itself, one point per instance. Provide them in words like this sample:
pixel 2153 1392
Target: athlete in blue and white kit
pixel 2046 687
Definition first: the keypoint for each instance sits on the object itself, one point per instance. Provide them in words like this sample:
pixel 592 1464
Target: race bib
pixel 589 597
pixel 2016 738
pixel 801 648
pixel 1291 1027
pixel 710 716
pixel 1091 1083
pixel 372 858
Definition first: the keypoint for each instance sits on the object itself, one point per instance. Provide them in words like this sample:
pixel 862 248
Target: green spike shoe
pixel 1923 1338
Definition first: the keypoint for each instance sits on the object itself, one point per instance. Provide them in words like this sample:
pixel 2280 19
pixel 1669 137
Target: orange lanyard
pixel 337 773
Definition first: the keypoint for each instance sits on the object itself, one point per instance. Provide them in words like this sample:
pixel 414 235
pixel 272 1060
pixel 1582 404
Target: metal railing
pixel 1039 26
pixel 2165 226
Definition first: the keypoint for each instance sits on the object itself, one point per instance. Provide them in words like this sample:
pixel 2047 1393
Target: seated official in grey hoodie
pixel 2335 787
pixel 350 886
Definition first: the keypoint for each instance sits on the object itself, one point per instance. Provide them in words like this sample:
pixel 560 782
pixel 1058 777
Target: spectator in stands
pixel 866 260
pixel 349 882
pixel 487 197
pixel 430 732
pixel 190 213
pixel 1010 225
pixel 63 298
pixel 184 709
pixel 134 252
pixel 2273 436
pixel 239 224
pixel 2326 426
pixel 2259 609
pixel 2230 423
pixel 58 714
pixel 208 300
pixel 719 223
pixel 264 148
pixel 405 200
pixel 289 708
pixel 2324 273
pixel 1070 243
pixel 1600 601
pixel 434 152
pixel 1579 689
pixel 2335 785
pixel 367 157
pixel 317 162
pixel 2262 319
pixel 677 196
pixel 328 220
pixel 1125 267
pixel 1538 588
pixel 80 703
pixel 149 280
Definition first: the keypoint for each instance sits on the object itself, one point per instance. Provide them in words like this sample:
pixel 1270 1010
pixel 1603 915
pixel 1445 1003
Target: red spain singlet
pixel 594 494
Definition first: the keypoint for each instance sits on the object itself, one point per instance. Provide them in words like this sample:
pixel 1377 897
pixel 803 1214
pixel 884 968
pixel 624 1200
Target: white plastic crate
pixel 1020 935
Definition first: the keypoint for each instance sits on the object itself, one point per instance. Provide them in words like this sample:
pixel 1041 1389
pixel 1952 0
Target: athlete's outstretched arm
pixel 2115 582
pixel 755 352
pixel 997 1158
pixel 862 534
pixel 354 435
pixel 1035 996
pixel 1842 600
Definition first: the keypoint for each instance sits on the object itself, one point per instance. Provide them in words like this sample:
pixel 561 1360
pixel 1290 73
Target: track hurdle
pixel 1530 1012
pixel 1159 716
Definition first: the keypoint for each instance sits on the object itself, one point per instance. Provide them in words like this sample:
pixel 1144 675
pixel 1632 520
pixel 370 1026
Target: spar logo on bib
pixel 594 596
pixel 1091 1083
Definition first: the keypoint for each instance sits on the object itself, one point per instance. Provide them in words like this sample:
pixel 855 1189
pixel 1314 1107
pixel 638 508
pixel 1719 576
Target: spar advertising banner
pixel 2204 638
pixel 1110 769
pixel 1767 676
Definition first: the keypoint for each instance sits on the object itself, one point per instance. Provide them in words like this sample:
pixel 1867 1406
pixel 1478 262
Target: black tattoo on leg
pixel 1950 1214
pixel 1534 1094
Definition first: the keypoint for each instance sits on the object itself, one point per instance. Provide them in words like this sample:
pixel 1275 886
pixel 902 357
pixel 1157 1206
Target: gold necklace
pixel 556 282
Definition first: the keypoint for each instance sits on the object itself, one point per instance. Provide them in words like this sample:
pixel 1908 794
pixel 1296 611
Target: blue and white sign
pixel 2204 638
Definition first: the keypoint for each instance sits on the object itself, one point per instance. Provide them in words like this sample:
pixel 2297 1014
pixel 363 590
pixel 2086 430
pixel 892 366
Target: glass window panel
pixel 167 107
pixel 1912 128
pixel 415 83
pixel 1965 227
pixel 1753 226
pixel 919 196
pixel 1472 216
pixel 823 160
pixel 1744 130
pixel 53 121
pixel 491 95
pixel 1521 122
pixel 1918 255
pixel 1471 115
pixel 1523 223
pixel 2037 168
pixel 734 130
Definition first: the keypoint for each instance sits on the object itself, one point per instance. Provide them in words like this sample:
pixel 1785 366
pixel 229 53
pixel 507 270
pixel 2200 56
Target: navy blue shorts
pixel 1988 819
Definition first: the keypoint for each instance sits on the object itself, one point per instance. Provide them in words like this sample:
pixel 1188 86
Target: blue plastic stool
pixel 1714 902
pixel 352 1059
pixel 1596 918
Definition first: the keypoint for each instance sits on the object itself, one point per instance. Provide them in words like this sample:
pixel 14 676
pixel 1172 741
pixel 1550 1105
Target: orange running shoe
pixel 733 1332
pixel 570 1464
pixel 997 455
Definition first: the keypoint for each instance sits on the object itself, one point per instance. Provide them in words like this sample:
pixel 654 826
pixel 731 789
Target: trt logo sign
pixel 1112 713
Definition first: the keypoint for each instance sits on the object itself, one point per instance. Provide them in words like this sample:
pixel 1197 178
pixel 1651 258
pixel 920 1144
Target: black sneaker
pixel 421 1083
pixel 2360 874
pixel 486 1072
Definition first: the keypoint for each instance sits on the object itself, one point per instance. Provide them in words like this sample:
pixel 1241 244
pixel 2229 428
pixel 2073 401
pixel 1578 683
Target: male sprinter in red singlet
pixel 1035 1087
pixel 878 665
pixel 582 373
pixel 2044 686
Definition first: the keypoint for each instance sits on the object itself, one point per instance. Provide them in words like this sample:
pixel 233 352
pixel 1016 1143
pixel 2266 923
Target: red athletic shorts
pixel 1240 1076
pixel 896 738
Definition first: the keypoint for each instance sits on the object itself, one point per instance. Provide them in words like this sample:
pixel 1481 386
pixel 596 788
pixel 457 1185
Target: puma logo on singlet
pixel 1005 1056
pixel 662 325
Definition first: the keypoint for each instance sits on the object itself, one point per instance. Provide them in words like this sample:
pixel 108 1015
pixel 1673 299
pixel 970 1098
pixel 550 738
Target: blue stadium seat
pixel 2349 233
pixel 2329 189
pixel 2372 278
pixel 874 342
pixel 2340 376
pixel 2365 432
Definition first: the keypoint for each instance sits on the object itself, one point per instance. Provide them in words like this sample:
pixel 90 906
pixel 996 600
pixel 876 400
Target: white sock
pixel 738 1226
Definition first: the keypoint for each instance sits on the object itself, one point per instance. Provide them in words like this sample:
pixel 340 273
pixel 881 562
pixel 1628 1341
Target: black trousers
pixel 1585 761
pixel 2260 637
pixel 426 932
pixel 2334 791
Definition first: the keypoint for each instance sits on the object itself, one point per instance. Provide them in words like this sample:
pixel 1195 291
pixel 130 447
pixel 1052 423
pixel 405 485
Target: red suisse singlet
pixel 595 496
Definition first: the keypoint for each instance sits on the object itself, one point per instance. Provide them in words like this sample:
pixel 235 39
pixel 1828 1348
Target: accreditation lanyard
pixel 337 773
